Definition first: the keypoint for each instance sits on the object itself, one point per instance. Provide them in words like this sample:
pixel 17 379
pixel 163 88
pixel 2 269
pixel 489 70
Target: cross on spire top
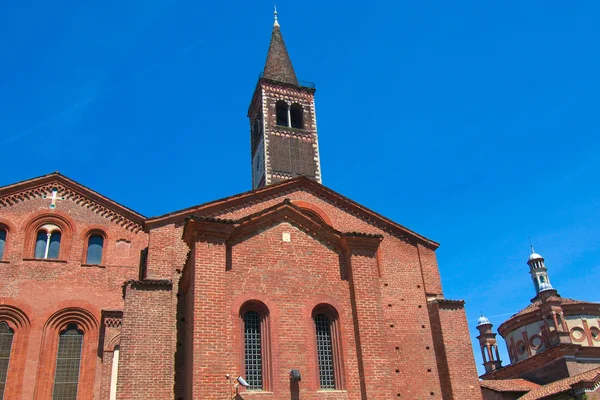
pixel 275 23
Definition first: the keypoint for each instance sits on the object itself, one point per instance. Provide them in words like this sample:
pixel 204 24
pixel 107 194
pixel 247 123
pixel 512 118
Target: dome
pixel 545 286
pixel 483 320
pixel 535 256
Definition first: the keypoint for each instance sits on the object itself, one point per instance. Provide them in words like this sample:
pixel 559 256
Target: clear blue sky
pixel 473 124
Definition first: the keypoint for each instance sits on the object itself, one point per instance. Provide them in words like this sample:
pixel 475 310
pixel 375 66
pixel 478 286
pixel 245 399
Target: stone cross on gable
pixel 54 197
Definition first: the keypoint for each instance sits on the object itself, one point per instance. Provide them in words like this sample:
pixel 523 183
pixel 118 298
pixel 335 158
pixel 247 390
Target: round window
pixel 595 332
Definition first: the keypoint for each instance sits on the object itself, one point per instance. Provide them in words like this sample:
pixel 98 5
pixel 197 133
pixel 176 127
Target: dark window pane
pixel 325 352
pixel 40 244
pixel 66 376
pixel 6 338
pixel 94 252
pixel 281 113
pixel 54 245
pixel 252 341
pixel 2 242
pixel 297 116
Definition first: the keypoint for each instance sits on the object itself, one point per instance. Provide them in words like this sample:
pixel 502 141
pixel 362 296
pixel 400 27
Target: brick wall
pixel 453 350
pixel 148 342
pixel 39 290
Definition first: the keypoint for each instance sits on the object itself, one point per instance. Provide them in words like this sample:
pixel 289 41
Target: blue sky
pixel 474 124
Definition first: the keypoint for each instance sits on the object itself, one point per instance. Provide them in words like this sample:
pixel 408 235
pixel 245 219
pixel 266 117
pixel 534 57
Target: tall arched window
pixel 254 317
pixel 297 116
pixel 47 242
pixel 325 351
pixel 68 358
pixel 282 113
pixel 94 249
pixel 253 350
pixel 6 339
pixel 3 235
pixel 328 347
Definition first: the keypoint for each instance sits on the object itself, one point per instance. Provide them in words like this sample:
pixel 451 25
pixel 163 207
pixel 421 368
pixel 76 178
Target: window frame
pixel 86 242
pixel 63 333
pixel 336 346
pixel 48 242
pixel 64 225
pixel 265 337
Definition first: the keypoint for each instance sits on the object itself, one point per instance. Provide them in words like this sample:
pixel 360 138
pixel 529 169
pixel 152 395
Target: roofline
pixel 92 194
pixel 300 181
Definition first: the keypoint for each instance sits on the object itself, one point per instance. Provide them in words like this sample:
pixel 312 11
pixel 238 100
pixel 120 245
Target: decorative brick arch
pixel 42 217
pixel 86 320
pixel 113 343
pixel 15 315
pixel 11 233
pixel 315 209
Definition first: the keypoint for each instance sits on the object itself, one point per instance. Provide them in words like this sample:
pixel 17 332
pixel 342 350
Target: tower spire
pixel 279 65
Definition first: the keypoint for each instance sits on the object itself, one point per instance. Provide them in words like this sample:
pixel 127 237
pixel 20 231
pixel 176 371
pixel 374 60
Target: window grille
pixel 325 352
pixel 6 338
pixel 253 355
pixel 68 359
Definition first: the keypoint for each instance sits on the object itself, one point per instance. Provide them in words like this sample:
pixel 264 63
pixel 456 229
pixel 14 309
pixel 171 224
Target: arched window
pixel 6 339
pixel 47 242
pixel 3 235
pixel 328 347
pixel 68 358
pixel 94 249
pixel 282 113
pixel 297 116
pixel 325 351
pixel 254 317
pixel 253 350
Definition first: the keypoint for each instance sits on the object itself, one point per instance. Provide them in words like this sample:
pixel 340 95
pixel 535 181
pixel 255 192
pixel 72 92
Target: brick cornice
pixel 74 191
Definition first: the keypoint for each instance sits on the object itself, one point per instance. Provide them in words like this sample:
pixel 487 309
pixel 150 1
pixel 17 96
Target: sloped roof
pixel 509 385
pixel 561 385
pixel 39 186
pixel 278 66
pixel 287 186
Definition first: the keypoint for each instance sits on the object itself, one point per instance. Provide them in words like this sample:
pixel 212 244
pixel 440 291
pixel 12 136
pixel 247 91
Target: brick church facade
pixel 299 290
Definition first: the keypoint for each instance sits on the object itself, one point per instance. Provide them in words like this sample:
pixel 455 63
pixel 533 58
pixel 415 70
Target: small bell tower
pixel 283 125
pixel 539 273
pixel 489 347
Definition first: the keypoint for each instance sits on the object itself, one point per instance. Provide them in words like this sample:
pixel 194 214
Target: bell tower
pixel 283 126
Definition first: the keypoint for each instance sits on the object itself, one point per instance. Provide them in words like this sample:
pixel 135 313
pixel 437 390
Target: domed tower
pixel 538 272
pixel 489 347
pixel 548 340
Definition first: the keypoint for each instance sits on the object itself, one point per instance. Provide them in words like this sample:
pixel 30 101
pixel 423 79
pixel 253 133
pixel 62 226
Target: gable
pixel 297 189
pixel 53 191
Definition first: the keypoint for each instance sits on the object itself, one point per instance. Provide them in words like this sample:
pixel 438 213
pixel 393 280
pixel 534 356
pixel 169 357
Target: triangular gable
pixel 291 185
pixel 69 189
pixel 236 230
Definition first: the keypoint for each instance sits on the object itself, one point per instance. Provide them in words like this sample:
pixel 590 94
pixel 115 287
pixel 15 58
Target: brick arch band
pixel 88 323
pixel 18 321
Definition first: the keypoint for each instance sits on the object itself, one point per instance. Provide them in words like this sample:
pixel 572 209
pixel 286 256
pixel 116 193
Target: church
pixel 553 345
pixel 287 291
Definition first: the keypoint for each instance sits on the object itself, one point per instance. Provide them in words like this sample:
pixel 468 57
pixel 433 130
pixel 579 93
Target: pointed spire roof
pixel 279 66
